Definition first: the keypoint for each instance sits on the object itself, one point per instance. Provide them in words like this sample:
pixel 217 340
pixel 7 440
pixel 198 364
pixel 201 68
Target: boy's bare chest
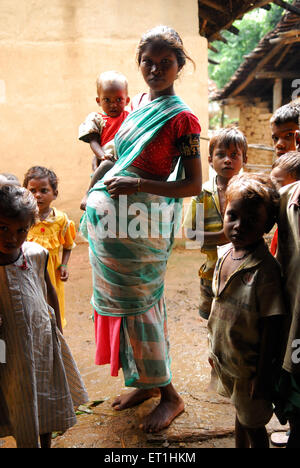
pixel 228 268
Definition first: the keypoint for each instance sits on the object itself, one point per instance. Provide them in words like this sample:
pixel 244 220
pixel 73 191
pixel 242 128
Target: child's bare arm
pixel 94 141
pixel 210 238
pixel 53 300
pixel 64 274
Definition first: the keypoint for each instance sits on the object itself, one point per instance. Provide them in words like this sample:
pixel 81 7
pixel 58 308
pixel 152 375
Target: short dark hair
pixel 288 113
pixel 40 172
pixel 259 188
pixel 227 136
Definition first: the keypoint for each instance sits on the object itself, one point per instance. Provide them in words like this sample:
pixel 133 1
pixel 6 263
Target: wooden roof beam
pixel 234 30
pixel 259 66
pixel 285 75
pixel 212 48
pixel 214 5
pixel 287 6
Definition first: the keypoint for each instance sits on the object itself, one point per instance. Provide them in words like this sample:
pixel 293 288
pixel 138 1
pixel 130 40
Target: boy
pixel 248 307
pixel 227 155
pixel 99 129
pixel 285 128
pixel 288 407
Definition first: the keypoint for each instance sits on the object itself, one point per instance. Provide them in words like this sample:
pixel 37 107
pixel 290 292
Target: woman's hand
pixel 121 186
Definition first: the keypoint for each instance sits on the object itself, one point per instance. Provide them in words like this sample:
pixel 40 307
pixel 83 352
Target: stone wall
pixel 255 123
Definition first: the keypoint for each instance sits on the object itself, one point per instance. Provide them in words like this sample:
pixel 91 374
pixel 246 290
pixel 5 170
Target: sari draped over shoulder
pixel 131 237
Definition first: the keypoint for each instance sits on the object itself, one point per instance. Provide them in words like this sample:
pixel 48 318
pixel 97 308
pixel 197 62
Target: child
pixel 52 230
pixel 39 381
pixel 99 129
pixel 285 170
pixel 285 128
pixel 288 407
pixel 246 315
pixel 227 155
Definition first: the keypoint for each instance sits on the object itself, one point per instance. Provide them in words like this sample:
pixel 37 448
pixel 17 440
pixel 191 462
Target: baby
pixel 99 129
pixel 285 171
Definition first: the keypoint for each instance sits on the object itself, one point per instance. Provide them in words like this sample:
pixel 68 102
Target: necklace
pixel 236 259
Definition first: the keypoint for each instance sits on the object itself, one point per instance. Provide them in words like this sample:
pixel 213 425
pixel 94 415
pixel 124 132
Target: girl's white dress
pixel 40 383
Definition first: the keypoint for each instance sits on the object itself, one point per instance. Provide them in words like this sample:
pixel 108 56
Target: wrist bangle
pixel 138 185
pixel 62 265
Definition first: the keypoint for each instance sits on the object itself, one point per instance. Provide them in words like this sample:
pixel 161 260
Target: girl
pixel 128 270
pixel 52 230
pixel 39 381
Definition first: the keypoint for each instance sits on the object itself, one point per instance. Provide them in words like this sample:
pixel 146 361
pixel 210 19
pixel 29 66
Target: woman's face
pixel 159 67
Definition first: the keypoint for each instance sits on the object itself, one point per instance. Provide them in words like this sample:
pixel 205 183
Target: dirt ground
pixel 208 420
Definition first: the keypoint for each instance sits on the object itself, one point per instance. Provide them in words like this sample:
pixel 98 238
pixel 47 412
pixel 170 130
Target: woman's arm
pixel 53 300
pixel 190 185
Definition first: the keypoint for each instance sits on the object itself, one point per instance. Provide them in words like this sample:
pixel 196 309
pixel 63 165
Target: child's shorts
pixel 250 413
pixel 206 297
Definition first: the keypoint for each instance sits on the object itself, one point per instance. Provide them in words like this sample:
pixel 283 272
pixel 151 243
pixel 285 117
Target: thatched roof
pixel 216 15
pixel 277 56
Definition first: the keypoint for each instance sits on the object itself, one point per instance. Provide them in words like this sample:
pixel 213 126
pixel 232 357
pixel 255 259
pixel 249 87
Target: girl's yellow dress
pixel 52 233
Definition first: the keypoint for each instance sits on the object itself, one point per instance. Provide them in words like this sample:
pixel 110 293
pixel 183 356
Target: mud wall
pixel 50 55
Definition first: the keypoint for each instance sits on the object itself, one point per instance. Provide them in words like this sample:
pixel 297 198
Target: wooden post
pixel 277 94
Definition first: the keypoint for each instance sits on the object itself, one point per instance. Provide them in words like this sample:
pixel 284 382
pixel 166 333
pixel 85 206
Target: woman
pixel 128 269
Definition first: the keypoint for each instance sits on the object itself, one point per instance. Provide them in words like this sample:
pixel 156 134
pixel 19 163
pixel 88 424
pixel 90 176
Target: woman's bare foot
pixel 170 406
pixel 128 400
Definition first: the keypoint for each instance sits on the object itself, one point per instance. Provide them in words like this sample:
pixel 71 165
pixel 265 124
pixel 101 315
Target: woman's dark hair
pixel 39 172
pixel 168 37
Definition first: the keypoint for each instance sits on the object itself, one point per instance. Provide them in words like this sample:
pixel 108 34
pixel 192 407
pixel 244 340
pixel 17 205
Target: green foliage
pixel 253 27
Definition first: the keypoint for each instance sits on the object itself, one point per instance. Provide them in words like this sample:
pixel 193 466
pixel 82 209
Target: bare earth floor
pixel 208 420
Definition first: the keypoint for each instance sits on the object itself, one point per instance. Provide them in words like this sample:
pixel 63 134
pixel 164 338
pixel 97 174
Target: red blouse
pixel 180 136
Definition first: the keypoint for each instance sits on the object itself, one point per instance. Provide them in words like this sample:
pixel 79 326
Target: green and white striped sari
pixel 128 270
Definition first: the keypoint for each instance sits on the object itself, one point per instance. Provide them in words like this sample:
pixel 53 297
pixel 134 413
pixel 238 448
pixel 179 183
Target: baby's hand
pixel 64 274
pixel 83 203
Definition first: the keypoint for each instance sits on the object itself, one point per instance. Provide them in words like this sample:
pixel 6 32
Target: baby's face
pixel 245 222
pixel 281 178
pixel 113 99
